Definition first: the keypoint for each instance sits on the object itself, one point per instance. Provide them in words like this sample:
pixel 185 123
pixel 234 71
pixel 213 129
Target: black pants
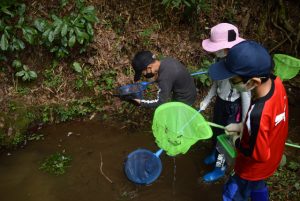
pixel 225 112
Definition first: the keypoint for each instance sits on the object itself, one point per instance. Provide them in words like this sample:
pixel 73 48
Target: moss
pixel 14 125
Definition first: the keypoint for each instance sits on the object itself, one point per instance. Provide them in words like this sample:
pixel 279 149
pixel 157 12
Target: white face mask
pixel 221 53
pixel 242 87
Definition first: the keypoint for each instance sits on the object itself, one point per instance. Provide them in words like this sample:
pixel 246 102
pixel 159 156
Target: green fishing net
pixel 286 67
pixel 177 126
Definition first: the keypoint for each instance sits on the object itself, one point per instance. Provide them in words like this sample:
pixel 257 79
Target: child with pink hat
pixel 230 106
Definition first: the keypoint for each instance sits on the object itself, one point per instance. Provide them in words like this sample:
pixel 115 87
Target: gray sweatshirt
pixel 174 83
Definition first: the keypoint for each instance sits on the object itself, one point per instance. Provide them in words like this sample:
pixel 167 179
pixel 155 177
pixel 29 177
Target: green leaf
pixel 71 32
pixel 21 20
pixel 72 41
pixel 88 9
pixel 46 33
pixel 90 29
pixel 54 49
pixel 57 20
pixel 64 41
pixel 17 64
pixel 20 73
pixel 32 74
pixel 14 45
pixel 51 36
pixel 64 30
pixel 63 3
pixel 91 18
pixel 25 76
pixel 77 67
pixel 57 29
pixel 5 10
pixel 21 9
pixel 40 24
pixel 79 35
pixel 4 42
pixel 28 34
pixel 20 43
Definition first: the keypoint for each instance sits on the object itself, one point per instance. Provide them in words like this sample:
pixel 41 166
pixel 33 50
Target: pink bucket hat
pixel 222 36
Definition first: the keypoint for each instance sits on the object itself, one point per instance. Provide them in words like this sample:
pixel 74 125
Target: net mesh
pixel 286 67
pixel 177 126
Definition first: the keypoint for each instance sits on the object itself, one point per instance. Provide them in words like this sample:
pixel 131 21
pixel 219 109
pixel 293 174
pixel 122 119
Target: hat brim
pixel 218 71
pixel 211 46
pixel 137 75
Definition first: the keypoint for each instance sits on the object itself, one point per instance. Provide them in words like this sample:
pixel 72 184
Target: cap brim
pixel 137 76
pixel 218 71
pixel 211 46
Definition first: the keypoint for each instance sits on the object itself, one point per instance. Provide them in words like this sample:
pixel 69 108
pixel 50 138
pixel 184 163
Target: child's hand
pixel 203 105
pixel 234 129
pixel 233 138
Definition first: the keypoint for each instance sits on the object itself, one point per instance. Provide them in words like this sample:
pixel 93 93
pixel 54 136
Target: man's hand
pixel 138 101
pixel 234 129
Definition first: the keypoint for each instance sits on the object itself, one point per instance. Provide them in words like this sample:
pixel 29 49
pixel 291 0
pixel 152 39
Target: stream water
pixel 85 141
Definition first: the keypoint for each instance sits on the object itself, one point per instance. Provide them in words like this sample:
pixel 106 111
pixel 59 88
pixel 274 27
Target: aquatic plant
pixel 56 163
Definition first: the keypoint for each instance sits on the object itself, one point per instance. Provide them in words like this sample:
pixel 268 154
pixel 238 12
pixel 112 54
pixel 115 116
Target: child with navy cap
pixel 261 143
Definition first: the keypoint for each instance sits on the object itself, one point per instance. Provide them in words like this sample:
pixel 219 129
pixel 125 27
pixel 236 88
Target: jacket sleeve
pixel 211 93
pixel 163 94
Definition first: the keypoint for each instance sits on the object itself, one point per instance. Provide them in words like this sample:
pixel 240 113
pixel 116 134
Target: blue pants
pixel 238 189
pixel 225 112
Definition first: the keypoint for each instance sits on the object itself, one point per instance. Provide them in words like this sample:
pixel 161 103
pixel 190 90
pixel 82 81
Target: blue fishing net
pixel 142 166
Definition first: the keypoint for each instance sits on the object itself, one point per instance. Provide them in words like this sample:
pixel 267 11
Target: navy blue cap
pixel 247 59
pixel 140 62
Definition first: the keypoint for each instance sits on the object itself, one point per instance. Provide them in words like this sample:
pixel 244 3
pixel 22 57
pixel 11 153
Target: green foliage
pixel 59 113
pixel 56 163
pixel 146 33
pixel 77 67
pixel 84 76
pixel 46 114
pixel 26 74
pixel 17 64
pixel 77 108
pixel 35 137
pixel 18 139
pixel 23 90
pixel 188 5
pixel 284 184
pixel 294 166
pixel 107 80
pixel 203 78
pixel 12 106
pixel 14 31
pixel 23 71
pixel 52 80
pixel 61 34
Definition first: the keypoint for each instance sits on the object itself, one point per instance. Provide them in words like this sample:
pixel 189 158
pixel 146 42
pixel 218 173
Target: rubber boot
pixel 211 158
pixel 218 171
pixel 260 195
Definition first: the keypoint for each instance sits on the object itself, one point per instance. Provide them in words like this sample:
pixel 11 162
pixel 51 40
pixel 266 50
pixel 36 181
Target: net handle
pixel 223 127
pixel 216 125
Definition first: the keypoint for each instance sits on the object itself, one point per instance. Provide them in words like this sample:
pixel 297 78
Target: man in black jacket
pixel 174 81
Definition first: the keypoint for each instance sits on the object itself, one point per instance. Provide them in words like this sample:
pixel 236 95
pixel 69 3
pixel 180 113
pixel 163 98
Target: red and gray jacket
pixel 264 135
